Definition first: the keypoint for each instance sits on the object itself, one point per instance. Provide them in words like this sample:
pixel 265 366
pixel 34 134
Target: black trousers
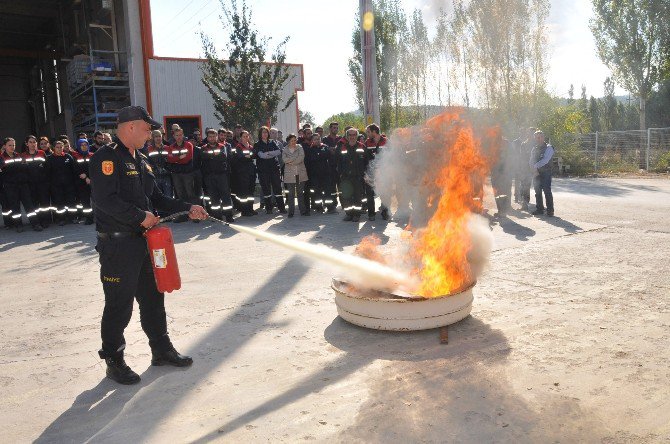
pixel 542 183
pixel 271 186
pixel 63 200
pixel 184 187
pixel 321 190
pixel 246 182
pixel 199 186
pixel 369 199
pixel 17 194
pixel 308 197
pixel 39 194
pixel 217 195
pixel 6 210
pixel 126 274
pixel 84 200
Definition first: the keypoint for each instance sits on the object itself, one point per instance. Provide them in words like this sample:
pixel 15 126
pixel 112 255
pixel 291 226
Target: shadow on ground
pixel 598 187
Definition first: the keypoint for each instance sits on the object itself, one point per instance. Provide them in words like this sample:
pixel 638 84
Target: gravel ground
pixel 567 340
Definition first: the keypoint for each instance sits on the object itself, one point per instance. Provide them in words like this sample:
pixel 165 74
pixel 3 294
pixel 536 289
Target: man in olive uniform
pixel 352 163
pixel 124 195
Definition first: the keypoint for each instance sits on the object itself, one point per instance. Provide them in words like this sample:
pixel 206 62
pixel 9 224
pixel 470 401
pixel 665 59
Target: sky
pixel 320 34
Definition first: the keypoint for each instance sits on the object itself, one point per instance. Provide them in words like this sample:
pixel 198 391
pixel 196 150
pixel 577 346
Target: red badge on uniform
pixel 107 167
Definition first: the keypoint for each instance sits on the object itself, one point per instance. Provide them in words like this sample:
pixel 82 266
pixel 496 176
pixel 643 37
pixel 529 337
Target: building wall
pixel 176 90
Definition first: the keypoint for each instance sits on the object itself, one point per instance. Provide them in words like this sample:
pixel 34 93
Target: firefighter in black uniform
pixel 83 181
pixel 352 163
pixel 15 185
pixel 267 154
pixel 60 168
pixel 214 164
pixel 332 140
pixel 306 142
pixel 158 153
pixel 38 180
pixel 321 162
pixel 124 195
pixel 245 174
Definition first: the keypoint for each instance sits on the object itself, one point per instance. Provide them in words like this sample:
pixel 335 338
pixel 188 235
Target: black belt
pixel 117 235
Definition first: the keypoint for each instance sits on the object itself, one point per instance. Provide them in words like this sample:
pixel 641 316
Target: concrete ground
pixel 568 340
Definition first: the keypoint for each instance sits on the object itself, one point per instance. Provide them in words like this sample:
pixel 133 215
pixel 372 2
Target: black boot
pixel 170 357
pixel 118 370
pixel 385 214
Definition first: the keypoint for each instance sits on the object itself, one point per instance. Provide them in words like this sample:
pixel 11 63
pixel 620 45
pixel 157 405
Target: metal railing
pixel 622 151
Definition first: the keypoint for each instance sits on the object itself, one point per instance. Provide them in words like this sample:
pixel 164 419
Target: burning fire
pixel 439 253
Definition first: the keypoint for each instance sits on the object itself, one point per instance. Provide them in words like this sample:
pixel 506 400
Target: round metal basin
pixel 382 310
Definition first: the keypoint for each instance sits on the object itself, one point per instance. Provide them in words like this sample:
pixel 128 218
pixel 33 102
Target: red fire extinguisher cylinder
pixel 163 258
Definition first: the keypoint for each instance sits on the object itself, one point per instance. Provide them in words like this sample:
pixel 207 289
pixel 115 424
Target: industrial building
pixel 69 65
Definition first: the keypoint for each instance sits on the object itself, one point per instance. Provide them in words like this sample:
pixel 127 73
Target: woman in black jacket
pixel 267 153
pixel 38 181
pixel 15 184
pixel 60 168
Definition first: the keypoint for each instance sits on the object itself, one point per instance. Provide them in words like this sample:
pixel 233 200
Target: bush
pixel 580 162
pixel 663 163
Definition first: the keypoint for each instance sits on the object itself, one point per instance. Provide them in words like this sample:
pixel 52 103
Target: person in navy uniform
pixel 124 196
pixel 321 162
pixel 215 166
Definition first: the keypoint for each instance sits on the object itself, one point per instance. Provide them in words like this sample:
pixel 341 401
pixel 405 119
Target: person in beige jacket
pixel 295 174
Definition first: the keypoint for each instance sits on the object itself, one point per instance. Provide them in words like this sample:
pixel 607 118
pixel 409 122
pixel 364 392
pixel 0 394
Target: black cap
pixel 131 113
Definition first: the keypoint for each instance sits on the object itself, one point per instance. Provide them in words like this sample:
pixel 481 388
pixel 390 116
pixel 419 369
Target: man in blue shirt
pixel 540 163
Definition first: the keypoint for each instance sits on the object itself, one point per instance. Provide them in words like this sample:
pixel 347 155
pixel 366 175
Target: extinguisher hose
pixel 172 216
pixel 185 213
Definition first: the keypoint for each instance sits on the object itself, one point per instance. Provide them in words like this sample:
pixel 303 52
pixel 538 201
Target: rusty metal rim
pixel 393 297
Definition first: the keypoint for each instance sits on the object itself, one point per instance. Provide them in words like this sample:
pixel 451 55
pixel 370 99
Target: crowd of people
pixel 51 180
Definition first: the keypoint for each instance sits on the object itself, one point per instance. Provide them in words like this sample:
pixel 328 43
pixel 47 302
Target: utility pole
pixel 369 53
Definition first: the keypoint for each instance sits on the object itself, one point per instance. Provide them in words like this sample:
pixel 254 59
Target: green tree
pixel 594 113
pixel 583 103
pixel 610 115
pixel 245 89
pixel 633 40
pixel 306 117
pixel 571 95
pixel 346 119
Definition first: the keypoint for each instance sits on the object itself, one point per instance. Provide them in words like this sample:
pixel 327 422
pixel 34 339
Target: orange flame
pixel 453 189
pixel 368 248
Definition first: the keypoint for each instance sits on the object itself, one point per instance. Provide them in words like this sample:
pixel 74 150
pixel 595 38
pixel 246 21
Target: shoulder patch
pixel 107 167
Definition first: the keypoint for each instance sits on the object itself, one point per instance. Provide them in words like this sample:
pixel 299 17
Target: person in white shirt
pixel 540 163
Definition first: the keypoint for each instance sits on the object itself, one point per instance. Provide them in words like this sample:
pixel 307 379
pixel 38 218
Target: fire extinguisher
pixel 163 258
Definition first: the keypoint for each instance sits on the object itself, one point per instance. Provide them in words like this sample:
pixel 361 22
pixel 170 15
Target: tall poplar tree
pixel 245 88
pixel 633 40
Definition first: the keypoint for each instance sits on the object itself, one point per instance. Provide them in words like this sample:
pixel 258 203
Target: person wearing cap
pixel 125 195
pixel 540 163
